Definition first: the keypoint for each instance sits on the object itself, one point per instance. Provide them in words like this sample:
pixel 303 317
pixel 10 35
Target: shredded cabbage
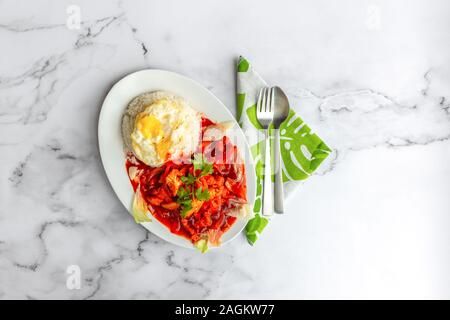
pixel 140 210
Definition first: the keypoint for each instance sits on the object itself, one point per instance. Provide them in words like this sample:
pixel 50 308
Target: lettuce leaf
pixel 140 211
pixel 202 245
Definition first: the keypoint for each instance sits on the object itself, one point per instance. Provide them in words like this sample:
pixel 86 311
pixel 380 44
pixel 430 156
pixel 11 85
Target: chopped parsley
pixel 184 194
pixel 185 200
pixel 185 209
pixel 200 163
pixel 189 179
pixel 202 195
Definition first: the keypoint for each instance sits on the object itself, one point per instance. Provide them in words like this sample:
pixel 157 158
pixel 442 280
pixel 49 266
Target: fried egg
pixel 159 126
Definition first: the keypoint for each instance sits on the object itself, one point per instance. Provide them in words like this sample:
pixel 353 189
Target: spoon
pixel 281 112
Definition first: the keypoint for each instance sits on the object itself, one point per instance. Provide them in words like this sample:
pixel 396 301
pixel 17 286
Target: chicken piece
pixel 173 181
pixel 170 205
pixel 196 205
pixel 206 220
pixel 201 183
pixel 219 181
pixel 154 201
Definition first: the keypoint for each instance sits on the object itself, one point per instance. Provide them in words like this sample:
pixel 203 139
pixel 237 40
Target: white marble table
pixel 372 77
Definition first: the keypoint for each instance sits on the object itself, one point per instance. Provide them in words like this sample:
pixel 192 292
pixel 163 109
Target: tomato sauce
pixel 209 217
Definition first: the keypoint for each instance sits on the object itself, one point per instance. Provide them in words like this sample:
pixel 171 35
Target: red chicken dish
pixel 198 198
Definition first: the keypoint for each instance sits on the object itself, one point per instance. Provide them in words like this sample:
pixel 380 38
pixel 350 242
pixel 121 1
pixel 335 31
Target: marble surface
pixel 372 78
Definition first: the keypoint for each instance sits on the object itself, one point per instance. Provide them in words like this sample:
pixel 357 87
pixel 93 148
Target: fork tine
pixel 265 99
pixel 269 100
pixel 272 100
pixel 259 105
pixel 263 103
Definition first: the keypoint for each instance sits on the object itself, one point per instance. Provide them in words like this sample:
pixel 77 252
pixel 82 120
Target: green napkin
pixel 301 151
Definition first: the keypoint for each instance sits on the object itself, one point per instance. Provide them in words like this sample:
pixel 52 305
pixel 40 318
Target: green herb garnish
pixel 185 200
pixel 185 209
pixel 200 163
pixel 202 195
pixel 189 179
pixel 184 195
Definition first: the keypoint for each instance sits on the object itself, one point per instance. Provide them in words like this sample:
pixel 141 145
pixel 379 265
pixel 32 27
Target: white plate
pixel 111 144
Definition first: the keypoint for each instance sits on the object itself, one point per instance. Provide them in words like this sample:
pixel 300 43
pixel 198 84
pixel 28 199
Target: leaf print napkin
pixel 301 151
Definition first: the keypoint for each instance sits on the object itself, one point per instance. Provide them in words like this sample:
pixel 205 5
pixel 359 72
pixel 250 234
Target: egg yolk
pixel 149 126
pixel 162 148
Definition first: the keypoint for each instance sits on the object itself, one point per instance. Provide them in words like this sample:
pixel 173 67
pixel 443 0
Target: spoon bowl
pixel 281 112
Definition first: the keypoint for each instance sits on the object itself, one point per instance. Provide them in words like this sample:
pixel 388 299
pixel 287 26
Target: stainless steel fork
pixel 264 115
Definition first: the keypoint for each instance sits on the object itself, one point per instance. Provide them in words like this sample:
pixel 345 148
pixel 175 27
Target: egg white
pixel 175 132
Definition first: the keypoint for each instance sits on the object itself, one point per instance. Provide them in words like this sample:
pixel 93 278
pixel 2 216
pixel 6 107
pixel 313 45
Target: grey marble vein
pixel 371 223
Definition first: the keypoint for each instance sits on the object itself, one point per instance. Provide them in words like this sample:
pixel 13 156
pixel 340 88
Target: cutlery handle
pixel 279 196
pixel 267 209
